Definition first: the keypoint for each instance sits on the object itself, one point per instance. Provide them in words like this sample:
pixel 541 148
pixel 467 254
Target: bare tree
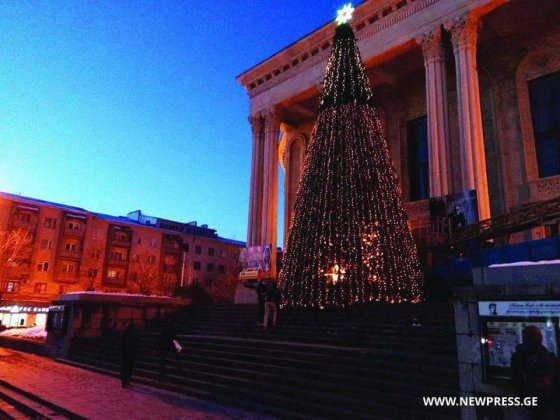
pixel 144 273
pixel 223 290
pixel 15 252
pixel 93 265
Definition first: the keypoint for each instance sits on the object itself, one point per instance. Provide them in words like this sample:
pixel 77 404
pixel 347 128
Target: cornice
pixel 369 19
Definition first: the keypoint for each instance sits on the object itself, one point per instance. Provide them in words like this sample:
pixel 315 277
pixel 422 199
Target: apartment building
pixel 67 249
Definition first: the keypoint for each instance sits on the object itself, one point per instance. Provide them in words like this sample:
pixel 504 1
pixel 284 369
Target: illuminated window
pixel 418 166
pixel 40 288
pixel 12 286
pixel 113 274
pixel 544 93
pixel 50 223
pixel 43 266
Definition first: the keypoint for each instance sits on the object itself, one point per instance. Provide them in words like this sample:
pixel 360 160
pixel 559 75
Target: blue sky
pixel 115 106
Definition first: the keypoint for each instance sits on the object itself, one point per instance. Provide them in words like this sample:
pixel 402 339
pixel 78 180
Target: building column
pixel 269 224
pixel 464 34
pixel 438 120
pixel 254 221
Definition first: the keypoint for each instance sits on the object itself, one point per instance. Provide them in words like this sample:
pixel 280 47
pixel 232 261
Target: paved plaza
pixel 97 396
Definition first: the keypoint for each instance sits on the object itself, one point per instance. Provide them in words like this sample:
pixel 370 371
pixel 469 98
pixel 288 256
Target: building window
pixel 197 265
pixel 209 267
pixel 222 269
pixel 208 282
pixel 544 94
pixel 43 266
pixel 46 244
pixel 186 247
pixel 40 288
pixel 153 243
pixel 23 217
pixel 133 276
pixel 418 166
pixel 151 259
pixel 92 273
pixel 139 240
pixel 50 223
pixel 210 252
pixel 67 268
pixel 198 249
pixel 12 286
pixel 71 247
pixel 73 226
pixel 113 274
pixel 116 255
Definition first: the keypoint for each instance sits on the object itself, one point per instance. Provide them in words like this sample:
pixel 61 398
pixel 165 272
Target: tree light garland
pixel 349 240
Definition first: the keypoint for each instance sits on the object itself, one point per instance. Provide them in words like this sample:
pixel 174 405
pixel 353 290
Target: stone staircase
pixel 366 362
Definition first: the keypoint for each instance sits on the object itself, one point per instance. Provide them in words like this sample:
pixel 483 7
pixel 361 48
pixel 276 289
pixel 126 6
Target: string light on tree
pixel 349 240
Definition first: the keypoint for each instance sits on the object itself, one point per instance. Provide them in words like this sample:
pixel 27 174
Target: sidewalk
pixel 98 396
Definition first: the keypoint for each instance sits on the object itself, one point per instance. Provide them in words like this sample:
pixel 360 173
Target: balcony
pixel 172 249
pixel 73 255
pixel 22 224
pixel 118 262
pixel 66 278
pixel 115 281
pixel 171 268
pixel 77 233
pixel 124 242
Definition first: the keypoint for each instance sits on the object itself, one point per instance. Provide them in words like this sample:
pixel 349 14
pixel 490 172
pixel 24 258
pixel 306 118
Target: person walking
pixel 128 344
pixel 272 304
pixel 166 347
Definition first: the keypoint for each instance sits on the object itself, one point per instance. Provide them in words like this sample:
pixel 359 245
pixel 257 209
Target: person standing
pixel 261 297
pixel 166 347
pixel 272 304
pixel 128 343
pixel 533 373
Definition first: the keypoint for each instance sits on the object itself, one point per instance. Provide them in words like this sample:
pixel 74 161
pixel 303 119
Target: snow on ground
pixel 521 263
pixel 35 333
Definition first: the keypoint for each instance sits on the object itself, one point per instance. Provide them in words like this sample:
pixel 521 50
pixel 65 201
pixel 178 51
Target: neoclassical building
pixel 468 92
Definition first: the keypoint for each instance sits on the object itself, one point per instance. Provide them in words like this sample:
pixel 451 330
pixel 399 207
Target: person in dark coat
pixel 533 373
pixel 128 344
pixel 261 296
pixel 272 304
pixel 166 347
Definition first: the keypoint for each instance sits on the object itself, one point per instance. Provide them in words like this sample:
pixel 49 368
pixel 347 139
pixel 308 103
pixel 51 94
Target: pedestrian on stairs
pixel 128 344
pixel 166 348
pixel 272 304
pixel 261 297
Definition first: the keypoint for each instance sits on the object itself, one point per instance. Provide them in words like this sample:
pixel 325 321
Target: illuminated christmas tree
pixel 349 241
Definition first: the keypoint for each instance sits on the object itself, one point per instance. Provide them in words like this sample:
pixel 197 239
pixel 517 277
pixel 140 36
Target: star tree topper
pixel 345 14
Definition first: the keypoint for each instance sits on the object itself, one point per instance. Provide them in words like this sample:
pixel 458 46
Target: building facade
pixel 69 249
pixel 468 92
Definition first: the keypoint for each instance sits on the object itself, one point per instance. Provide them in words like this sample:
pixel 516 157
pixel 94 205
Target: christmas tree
pixel 349 240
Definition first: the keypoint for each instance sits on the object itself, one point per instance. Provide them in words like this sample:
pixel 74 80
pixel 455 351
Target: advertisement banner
pixel 256 261
pixel 461 208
